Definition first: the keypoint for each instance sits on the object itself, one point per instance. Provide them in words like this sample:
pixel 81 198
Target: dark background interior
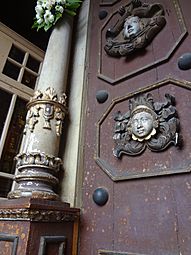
pixel 19 16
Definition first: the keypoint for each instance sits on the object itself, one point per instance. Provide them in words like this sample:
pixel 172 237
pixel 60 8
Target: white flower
pixel 38 9
pixel 39 2
pixel 38 16
pixel 48 17
pixel 49 11
pixel 39 21
pixel 48 6
pixel 59 8
pixel 44 3
pixel 51 2
pixel 61 1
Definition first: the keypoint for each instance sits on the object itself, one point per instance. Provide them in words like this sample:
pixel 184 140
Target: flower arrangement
pixel 48 12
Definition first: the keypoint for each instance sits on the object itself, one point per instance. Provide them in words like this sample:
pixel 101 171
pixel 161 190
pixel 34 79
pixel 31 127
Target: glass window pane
pixel 11 70
pixel 29 79
pixel 17 54
pixel 14 137
pixel 5 99
pixel 5 186
pixel 33 64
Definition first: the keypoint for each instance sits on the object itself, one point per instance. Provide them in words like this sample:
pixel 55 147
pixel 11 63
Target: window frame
pixel 15 87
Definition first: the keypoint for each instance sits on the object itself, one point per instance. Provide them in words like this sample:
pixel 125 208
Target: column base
pixel 37 176
pixel 31 226
pixel 33 194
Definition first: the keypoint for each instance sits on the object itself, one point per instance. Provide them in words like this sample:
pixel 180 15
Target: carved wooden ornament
pixel 52 106
pixel 147 124
pixel 138 25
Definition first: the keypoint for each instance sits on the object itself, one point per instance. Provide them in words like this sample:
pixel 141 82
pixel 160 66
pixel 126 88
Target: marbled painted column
pixel 38 163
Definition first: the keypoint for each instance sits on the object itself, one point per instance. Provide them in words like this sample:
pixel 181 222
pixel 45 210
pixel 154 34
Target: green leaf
pixel 72 13
pixel 58 16
pixel 73 1
pixel 47 26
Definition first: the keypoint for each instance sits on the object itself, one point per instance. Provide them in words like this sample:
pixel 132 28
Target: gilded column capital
pixel 49 106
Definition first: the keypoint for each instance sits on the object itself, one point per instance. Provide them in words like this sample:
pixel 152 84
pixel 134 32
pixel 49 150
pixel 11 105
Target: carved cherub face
pixel 132 27
pixel 143 125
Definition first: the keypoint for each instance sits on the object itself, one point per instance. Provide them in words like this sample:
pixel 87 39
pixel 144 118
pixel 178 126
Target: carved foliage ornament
pixel 138 25
pixel 38 159
pixel 52 106
pixel 37 215
pixel 147 124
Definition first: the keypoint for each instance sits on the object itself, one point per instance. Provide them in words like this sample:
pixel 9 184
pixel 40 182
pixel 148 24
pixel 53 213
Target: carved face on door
pixel 147 124
pixel 138 25
pixel 142 124
pixel 132 27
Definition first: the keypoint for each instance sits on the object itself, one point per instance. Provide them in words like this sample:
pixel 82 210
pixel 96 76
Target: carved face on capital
pixel 132 27
pixel 142 125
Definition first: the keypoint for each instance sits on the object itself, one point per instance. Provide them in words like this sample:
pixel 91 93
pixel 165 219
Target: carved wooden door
pixel 136 185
